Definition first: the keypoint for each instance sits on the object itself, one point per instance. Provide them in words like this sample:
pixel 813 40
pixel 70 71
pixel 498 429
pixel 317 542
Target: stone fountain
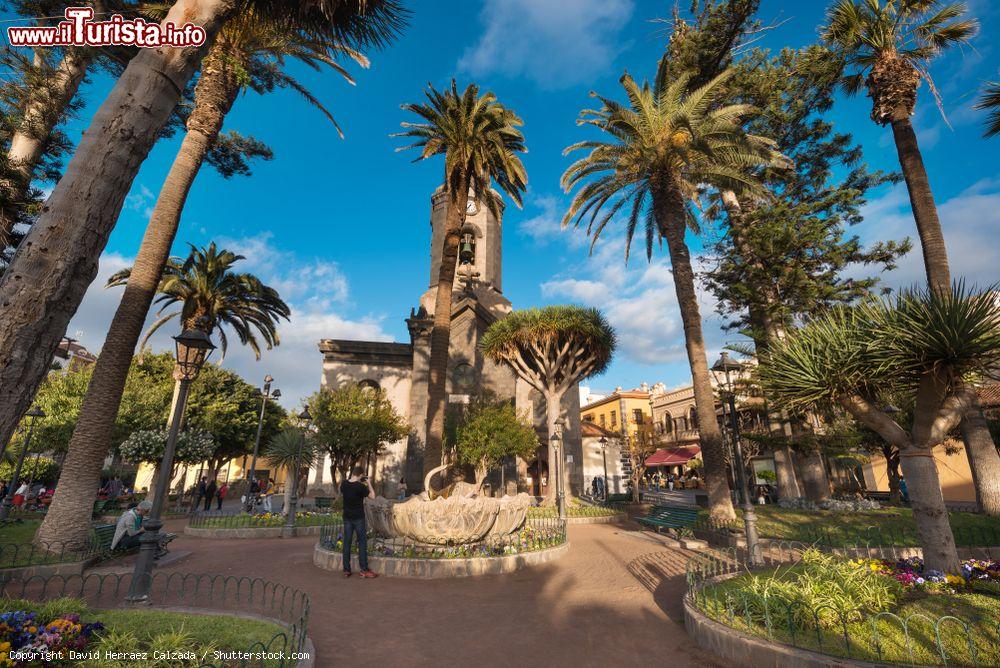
pixel 455 516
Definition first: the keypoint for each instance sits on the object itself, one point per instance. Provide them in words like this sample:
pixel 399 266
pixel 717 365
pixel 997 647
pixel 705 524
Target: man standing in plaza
pixel 354 491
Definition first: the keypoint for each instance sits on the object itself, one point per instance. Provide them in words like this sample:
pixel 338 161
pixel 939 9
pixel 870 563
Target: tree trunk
pixel 668 207
pixel 50 273
pixel 984 461
pixel 814 478
pixel 929 512
pixel 42 111
pixel 553 407
pixel 318 482
pixel 437 397
pixel 290 481
pixel 922 202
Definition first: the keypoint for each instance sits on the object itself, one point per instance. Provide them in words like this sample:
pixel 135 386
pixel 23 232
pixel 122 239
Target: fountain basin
pixel 456 520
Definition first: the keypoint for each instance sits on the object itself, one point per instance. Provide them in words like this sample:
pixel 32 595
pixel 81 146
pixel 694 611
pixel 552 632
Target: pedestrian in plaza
pixel 266 491
pixel 354 491
pixel 671 481
pixel 199 493
pixel 21 494
pixel 220 495
pixel 402 488
pixel 210 491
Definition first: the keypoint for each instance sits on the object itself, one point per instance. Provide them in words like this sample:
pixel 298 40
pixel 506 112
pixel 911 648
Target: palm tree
pixel 45 282
pixel 293 452
pixel 665 144
pixel 552 349
pixel 886 46
pixel 480 140
pixel 990 101
pixel 210 295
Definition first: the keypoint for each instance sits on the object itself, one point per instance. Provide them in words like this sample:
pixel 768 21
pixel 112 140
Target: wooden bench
pixel 669 517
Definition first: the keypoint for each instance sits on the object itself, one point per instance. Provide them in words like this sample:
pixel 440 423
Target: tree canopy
pixel 352 422
pixel 490 431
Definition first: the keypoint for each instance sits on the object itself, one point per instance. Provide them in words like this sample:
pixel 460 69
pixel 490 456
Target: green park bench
pixel 625 497
pixel 105 533
pixel 99 507
pixel 669 517
pixel 324 501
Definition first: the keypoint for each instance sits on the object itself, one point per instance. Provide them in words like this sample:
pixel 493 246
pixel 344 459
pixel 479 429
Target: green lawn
pixel 888 526
pixel 920 611
pixel 137 629
pixel 16 549
pixel 18 532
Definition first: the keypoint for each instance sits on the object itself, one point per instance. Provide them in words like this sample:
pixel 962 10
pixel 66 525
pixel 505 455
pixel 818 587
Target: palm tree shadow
pixel 662 573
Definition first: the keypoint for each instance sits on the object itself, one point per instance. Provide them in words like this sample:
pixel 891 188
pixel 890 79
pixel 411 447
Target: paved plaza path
pixel 612 600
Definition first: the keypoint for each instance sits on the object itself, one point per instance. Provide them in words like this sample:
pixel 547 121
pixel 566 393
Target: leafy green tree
pixel 226 406
pixel 353 423
pixel 664 146
pixel 147 446
pixel 922 344
pixel 479 139
pixel 292 450
pixel 552 349
pixel 490 432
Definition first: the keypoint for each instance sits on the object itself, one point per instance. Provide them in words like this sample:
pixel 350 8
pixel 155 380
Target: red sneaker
pixel 369 574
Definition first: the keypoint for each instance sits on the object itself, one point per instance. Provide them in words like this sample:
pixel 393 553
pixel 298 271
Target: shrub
pixel 821 589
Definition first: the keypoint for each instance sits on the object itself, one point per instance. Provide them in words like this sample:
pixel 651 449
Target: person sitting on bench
pixel 129 529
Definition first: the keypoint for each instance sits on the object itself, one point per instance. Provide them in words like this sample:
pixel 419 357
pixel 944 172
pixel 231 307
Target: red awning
pixel 673 456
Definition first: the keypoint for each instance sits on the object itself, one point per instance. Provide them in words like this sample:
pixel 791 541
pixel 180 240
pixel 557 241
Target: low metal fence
pixel 243 520
pixel 185 592
pixel 913 639
pixel 536 534
pixel 22 555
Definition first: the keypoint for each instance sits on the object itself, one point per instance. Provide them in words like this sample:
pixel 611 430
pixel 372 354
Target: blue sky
pixel 340 227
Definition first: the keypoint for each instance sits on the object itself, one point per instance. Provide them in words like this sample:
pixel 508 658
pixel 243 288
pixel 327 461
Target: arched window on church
pixel 369 384
pixel 693 418
pixel 463 378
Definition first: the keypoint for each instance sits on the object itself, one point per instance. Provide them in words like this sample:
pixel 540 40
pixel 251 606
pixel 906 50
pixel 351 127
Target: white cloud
pixel 639 300
pixel 546 226
pixel 969 220
pixel 554 43
pixel 141 201
pixel 316 291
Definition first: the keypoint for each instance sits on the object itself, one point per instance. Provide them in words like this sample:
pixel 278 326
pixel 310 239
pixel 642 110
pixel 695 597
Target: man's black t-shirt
pixel 354 494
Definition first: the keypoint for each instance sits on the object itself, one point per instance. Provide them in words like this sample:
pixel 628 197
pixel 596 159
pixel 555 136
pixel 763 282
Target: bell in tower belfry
pixel 467 251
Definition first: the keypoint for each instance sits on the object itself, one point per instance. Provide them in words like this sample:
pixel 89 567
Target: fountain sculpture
pixel 454 516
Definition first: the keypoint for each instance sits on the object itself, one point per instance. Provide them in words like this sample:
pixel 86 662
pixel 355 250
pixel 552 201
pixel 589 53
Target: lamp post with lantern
pixel 604 456
pixel 8 499
pixel 288 531
pixel 726 367
pixel 193 348
pixel 265 394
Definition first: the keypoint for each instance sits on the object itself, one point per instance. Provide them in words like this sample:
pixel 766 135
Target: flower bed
pixel 303 518
pixel 54 628
pixel 868 609
pixel 573 511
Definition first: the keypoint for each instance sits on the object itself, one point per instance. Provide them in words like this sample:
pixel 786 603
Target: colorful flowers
pixel 22 631
pixel 911 574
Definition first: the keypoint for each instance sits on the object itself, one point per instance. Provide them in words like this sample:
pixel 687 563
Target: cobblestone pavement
pixel 613 599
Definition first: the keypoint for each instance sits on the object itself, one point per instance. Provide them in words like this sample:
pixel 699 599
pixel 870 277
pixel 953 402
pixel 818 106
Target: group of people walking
pixel 207 491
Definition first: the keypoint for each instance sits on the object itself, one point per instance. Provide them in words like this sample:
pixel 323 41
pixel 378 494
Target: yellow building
pixel 621 412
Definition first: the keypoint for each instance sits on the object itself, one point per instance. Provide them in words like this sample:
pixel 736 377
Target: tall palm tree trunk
pixel 975 432
pixel 765 331
pixel 42 111
pixel 922 202
pixel 668 207
pixel 91 440
pixel 48 276
pixel 437 399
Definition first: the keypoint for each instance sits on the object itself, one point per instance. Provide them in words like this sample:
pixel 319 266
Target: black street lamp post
pixel 193 348
pixel 288 531
pixel 726 366
pixel 604 455
pixel 265 394
pixel 8 499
